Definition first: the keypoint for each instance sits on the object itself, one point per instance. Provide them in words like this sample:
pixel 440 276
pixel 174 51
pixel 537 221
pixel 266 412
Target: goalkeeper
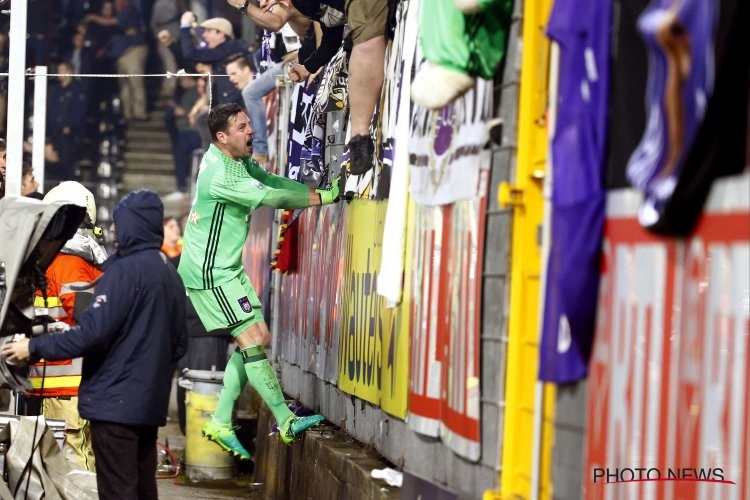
pixel 230 186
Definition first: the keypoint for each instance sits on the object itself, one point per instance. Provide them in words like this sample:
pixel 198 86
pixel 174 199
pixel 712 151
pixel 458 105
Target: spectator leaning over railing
pixel 367 23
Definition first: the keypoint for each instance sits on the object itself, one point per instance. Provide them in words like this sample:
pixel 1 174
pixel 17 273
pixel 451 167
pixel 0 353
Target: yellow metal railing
pixel 520 476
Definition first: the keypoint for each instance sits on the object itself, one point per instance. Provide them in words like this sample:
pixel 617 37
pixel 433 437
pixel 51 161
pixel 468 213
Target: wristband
pixel 242 10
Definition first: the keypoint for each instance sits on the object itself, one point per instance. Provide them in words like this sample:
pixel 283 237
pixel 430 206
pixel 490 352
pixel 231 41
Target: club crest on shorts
pixel 245 304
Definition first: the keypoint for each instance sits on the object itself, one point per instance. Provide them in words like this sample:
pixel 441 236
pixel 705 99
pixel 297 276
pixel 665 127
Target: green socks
pixel 251 365
pixel 234 381
pixel 261 376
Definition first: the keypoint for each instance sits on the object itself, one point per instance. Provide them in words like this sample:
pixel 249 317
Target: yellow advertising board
pixel 374 339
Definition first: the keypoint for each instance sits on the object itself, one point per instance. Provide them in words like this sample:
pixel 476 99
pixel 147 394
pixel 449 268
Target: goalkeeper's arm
pixel 280 198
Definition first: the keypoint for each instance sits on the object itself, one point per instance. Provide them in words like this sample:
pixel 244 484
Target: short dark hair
pixel 242 60
pixel 218 117
pixel 3 146
pixel 26 168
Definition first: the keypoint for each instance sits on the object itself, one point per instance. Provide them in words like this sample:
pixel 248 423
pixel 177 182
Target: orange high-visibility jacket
pixel 69 292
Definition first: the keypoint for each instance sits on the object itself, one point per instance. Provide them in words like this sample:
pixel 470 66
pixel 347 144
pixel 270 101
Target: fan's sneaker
pixel 361 151
pixel 224 436
pixel 294 427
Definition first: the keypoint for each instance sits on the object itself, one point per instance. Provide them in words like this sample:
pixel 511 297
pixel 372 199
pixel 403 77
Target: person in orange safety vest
pixel 172 245
pixel 70 286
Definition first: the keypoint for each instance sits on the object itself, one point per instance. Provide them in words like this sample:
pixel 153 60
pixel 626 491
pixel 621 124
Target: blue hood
pixel 139 222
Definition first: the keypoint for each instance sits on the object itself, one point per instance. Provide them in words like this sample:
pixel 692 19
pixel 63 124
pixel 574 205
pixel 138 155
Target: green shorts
pixel 233 305
pixel 366 18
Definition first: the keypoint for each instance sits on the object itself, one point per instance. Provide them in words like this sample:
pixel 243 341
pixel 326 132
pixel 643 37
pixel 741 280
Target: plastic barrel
pixel 204 459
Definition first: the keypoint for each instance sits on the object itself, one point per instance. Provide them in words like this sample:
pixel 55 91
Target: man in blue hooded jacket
pixel 129 338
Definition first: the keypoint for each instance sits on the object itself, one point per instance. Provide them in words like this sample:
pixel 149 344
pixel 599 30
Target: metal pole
pixel 16 97
pixel 40 123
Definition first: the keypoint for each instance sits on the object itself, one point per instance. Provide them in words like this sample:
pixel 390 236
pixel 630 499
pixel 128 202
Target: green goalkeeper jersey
pixel 227 191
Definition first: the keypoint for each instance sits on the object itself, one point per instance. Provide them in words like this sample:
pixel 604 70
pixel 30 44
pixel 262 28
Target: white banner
pixel 445 147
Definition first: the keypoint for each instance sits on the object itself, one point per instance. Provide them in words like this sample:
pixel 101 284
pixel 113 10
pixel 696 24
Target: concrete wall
pixel 570 427
pixel 325 464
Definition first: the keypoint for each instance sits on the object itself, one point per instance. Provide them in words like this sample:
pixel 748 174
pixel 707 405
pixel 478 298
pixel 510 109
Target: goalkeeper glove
pixel 328 196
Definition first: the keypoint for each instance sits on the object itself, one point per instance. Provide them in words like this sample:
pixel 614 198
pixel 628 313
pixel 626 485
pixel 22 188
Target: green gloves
pixel 328 196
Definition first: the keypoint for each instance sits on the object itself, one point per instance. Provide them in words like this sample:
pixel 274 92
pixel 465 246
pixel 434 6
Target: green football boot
pixel 224 436
pixel 294 427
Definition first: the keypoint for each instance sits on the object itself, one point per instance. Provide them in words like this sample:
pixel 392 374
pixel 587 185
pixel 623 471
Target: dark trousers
pixel 125 460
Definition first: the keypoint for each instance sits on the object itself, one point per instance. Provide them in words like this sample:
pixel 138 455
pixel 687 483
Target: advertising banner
pixel 310 297
pixel 427 354
pixel 668 410
pixel 292 320
pixel 444 392
pixel 329 257
pixel 461 395
pixel 373 348
pixel 256 255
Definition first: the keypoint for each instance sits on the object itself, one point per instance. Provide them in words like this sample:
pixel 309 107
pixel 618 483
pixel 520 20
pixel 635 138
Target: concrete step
pixel 156 160
pixel 153 144
pixel 155 119
pixel 155 124
pixel 146 169
pixel 135 135
pixel 240 487
pixel 161 182
pixel 149 162
pixel 326 464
